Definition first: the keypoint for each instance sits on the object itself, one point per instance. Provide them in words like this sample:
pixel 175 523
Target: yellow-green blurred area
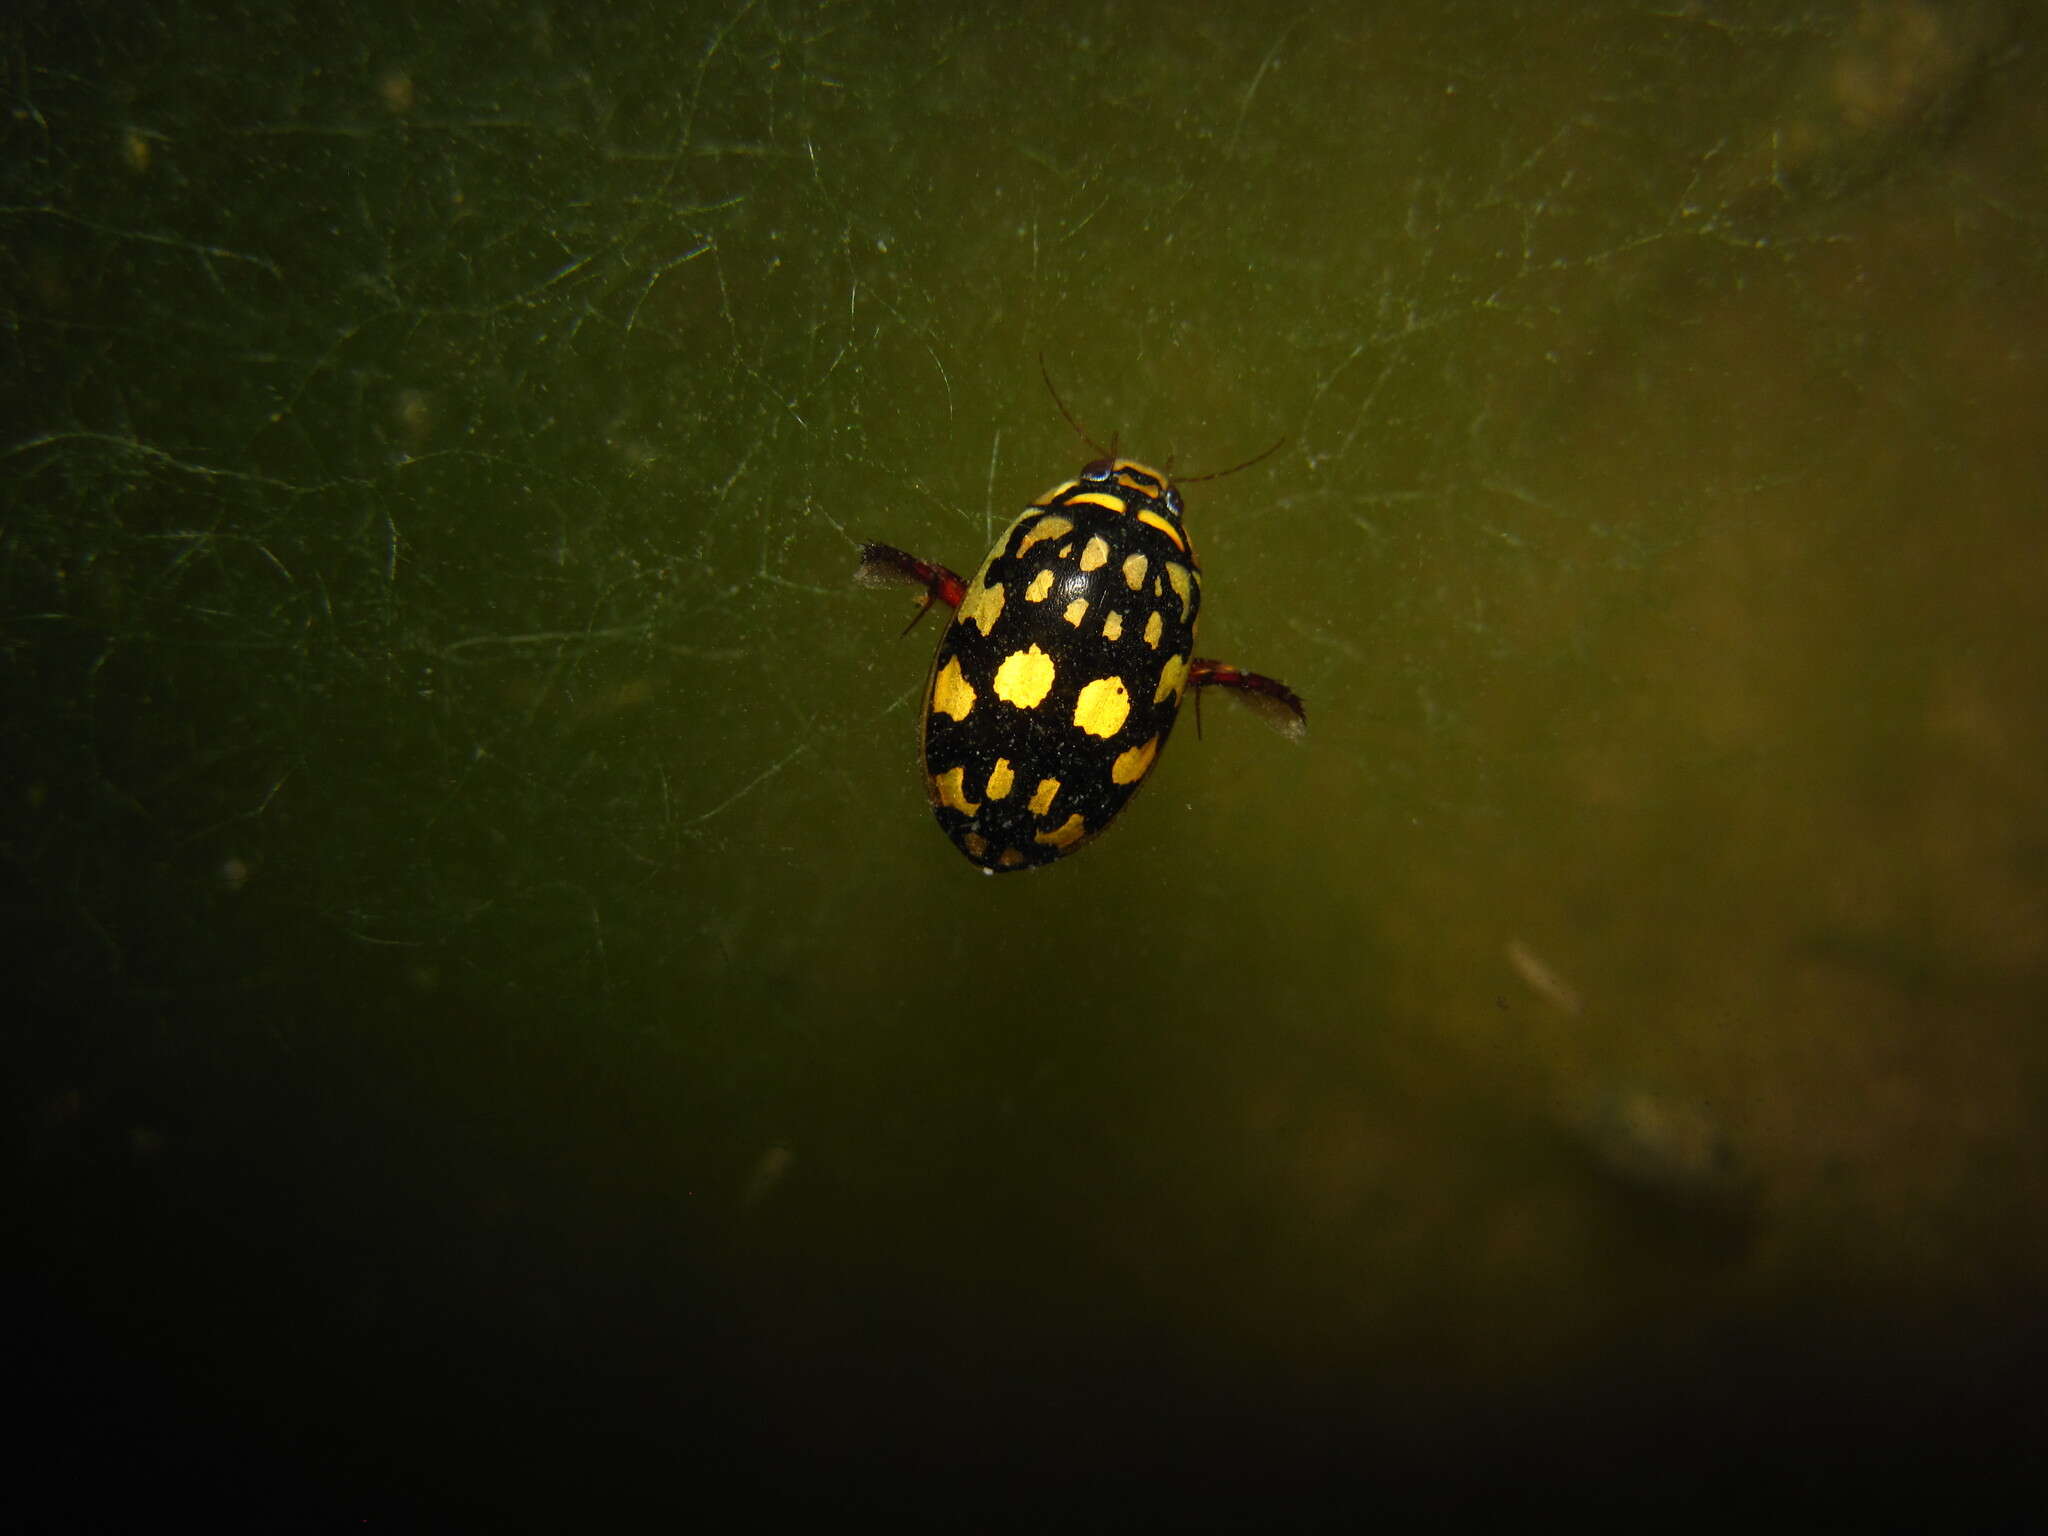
pixel 493 1030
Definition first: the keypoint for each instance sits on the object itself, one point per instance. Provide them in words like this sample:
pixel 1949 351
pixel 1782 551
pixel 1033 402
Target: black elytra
pixel 1055 687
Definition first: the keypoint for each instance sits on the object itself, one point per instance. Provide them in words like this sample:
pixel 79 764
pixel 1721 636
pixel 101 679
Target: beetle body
pixel 1055 687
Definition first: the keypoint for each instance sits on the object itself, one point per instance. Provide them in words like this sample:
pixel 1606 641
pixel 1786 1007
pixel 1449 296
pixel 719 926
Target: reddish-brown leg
pixel 883 563
pixel 1204 673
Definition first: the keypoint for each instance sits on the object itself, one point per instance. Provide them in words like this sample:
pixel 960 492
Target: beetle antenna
pixel 1079 431
pixel 1218 474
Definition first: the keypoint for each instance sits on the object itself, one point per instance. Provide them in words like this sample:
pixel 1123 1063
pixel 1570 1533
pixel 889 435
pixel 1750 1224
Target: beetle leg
pixel 1255 687
pixel 884 563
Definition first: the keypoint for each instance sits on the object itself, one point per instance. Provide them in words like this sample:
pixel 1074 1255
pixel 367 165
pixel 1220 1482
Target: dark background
pixel 494 1035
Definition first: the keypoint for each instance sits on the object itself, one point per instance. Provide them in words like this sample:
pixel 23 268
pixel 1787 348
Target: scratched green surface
pixel 495 1017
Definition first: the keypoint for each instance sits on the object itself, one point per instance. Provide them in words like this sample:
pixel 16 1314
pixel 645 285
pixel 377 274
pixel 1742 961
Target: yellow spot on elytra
pixel 1011 858
pixel 952 694
pixel 1076 611
pixel 1133 765
pixel 1099 499
pixel 982 606
pixel 1068 833
pixel 1134 572
pixel 1040 585
pixel 1154 628
pixel 1183 583
pixel 1096 555
pixel 1051 526
pixel 1113 626
pixel 1066 551
pixel 950 792
pixel 974 843
pixel 1173 677
pixel 1103 707
pixel 1024 678
pixel 1041 801
pixel 1154 520
pixel 1000 779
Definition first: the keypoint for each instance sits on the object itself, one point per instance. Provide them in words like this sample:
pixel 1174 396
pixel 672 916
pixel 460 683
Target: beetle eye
pixel 1172 499
pixel 1100 469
